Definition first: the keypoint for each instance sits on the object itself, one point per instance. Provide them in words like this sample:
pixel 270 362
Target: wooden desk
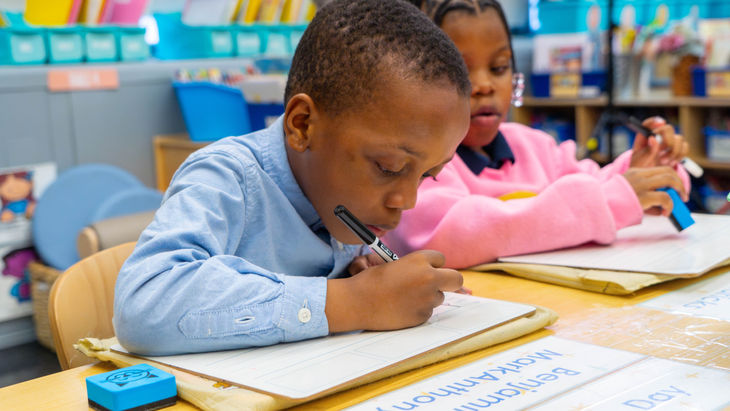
pixel 605 320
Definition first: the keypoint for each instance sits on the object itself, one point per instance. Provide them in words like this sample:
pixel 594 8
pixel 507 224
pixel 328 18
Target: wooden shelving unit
pixel 692 113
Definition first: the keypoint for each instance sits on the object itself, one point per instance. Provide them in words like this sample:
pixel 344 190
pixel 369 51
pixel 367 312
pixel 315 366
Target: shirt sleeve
pixel 472 229
pixel 183 289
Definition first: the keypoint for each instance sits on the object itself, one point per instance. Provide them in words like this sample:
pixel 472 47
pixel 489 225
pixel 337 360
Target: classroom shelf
pixel 691 117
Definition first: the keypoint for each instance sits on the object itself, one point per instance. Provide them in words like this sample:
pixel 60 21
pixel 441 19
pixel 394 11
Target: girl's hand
pixel 649 152
pixel 646 181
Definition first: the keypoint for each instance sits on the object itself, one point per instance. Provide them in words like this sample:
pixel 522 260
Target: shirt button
pixel 304 315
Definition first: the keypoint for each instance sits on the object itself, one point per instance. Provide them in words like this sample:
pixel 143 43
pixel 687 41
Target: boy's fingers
pixel 449 280
pixel 433 257
pixel 439 299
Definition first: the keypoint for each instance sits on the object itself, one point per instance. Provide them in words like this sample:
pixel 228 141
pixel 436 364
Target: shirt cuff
pixel 302 313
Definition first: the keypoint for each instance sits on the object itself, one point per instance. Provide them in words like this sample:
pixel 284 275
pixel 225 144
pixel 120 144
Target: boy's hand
pixel 363 262
pixel 648 152
pixel 390 296
pixel 646 181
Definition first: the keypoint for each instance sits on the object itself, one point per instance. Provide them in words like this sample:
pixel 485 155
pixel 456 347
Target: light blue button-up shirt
pixel 236 256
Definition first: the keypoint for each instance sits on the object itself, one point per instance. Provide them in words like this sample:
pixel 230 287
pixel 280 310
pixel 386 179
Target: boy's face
pixel 483 41
pixel 372 158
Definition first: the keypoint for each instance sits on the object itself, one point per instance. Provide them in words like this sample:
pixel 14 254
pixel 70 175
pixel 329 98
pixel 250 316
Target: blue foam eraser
pixel 141 387
pixel 680 217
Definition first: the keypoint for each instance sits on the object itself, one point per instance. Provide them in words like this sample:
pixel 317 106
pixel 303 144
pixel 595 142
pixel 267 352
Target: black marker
pixel 367 236
pixel 635 125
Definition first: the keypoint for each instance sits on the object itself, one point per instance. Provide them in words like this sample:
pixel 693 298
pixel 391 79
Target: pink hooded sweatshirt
pixel 576 202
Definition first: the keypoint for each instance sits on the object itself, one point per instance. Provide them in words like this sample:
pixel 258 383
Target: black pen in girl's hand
pixel 635 125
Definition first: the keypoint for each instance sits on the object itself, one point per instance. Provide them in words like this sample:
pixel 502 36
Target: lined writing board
pixel 654 246
pixel 307 369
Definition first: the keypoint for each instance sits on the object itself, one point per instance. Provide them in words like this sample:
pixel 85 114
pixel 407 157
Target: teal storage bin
pixel 100 44
pixel 571 16
pixel 248 42
pixel 221 41
pixel 718 9
pixel 177 40
pixel 277 41
pixel 22 45
pixel 295 35
pixel 131 43
pixel 64 44
pixel 180 41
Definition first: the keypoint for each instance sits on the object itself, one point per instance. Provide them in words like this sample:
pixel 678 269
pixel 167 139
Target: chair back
pixel 81 303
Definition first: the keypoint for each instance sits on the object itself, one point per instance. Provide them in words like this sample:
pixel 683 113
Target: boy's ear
pixel 298 121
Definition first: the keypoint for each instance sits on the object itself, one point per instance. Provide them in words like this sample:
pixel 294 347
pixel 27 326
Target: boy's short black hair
pixel 438 9
pixel 349 44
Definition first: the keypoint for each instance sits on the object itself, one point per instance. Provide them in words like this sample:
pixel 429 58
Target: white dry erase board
pixel 654 246
pixel 311 368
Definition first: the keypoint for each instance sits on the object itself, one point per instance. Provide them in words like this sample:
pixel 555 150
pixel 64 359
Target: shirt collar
pixel 498 151
pixel 276 165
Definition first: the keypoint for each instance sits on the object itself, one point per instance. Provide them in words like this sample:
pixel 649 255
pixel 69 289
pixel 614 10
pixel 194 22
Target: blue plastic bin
pixel 540 82
pixel 699 85
pixel 131 43
pixel 717 143
pixel 262 115
pixel 64 44
pixel 22 45
pixel 212 111
pixel 570 16
pixel 703 78
pixel 100 44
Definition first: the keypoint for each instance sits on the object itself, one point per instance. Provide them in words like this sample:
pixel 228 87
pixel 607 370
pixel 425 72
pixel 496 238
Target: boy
pixel 246 250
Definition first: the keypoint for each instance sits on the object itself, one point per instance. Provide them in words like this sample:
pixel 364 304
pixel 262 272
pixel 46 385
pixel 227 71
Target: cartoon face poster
pixel 20 189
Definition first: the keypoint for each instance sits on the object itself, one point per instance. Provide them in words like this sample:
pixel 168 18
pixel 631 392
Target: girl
pixel 511 189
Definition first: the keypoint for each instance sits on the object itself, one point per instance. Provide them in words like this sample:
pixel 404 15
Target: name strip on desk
pixel 707 298
pixel 554 373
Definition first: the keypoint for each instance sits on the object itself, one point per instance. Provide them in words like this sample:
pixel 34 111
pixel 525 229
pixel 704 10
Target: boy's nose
pixel 403 199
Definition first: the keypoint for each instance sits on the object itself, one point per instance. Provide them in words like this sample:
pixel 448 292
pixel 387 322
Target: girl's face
pixel 483 42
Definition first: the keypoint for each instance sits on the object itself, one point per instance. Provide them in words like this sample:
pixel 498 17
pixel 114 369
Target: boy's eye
pixel 388 172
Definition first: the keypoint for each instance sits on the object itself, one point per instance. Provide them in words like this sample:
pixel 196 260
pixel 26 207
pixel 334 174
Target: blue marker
pixel 680 217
